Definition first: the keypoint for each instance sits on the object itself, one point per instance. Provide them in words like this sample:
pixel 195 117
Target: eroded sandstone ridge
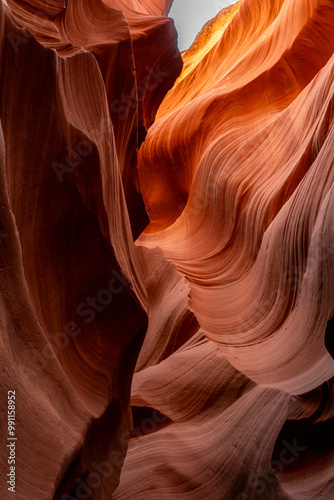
pixel 167 244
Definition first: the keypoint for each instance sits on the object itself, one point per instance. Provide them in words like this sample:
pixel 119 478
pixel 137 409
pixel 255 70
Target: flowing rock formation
pixel 167 243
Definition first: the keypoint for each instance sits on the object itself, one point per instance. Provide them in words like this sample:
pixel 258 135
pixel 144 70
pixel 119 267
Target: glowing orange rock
pixel 216 325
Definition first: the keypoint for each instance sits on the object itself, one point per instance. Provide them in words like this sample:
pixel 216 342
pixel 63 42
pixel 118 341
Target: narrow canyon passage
pixel 167 249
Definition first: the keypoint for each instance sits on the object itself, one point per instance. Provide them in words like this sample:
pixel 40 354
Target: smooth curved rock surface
pixel 167 244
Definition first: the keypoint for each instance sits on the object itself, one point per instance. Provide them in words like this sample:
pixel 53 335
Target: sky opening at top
pixel 191 15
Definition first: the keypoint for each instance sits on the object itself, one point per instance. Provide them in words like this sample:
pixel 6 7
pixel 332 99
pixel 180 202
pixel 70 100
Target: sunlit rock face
pixel 167 244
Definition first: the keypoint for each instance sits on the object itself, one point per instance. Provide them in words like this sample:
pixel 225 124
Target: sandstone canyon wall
pixel 167 252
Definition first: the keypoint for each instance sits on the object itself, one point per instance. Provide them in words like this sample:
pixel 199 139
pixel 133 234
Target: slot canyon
pixel 166 251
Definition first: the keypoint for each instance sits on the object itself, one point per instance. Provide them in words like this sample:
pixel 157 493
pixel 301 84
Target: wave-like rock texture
pixel 167 244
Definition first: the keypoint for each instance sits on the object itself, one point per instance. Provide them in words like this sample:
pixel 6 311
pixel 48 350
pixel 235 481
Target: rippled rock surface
pixel 167 251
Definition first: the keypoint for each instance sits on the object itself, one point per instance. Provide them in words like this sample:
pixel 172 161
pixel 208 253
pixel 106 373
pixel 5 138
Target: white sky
pixel 191 15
